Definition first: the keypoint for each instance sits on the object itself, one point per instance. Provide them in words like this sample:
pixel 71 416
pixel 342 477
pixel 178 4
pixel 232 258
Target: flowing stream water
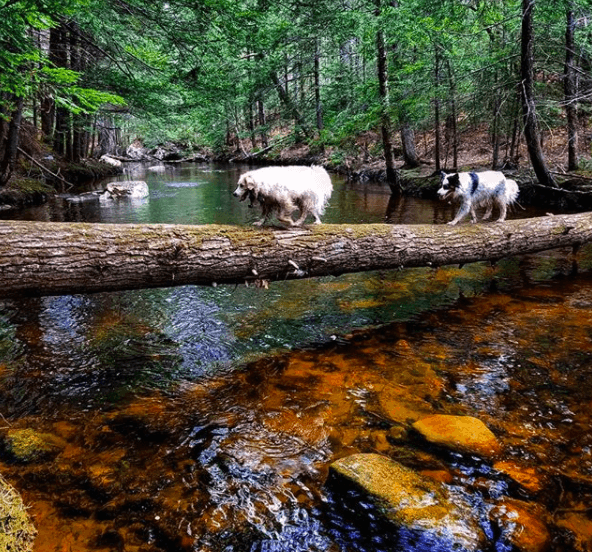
pixel 205 419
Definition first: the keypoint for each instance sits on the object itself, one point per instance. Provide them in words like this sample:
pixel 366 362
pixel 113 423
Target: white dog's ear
pixel 249 183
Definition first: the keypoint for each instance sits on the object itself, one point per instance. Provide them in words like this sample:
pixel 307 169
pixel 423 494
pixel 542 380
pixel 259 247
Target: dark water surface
pixel 205 419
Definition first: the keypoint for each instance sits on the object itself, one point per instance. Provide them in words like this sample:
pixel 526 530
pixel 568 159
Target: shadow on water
pixel 202 419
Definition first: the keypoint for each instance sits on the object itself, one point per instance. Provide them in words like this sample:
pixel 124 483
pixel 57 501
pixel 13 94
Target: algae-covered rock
pixel 17 533
pixel 411 502
pixel 459 433
pixel 28 445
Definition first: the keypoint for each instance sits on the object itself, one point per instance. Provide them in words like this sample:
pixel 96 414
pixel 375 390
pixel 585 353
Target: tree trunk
pixel 569 86
pixel 290 105
pixel 531 127
pixel 46 101
pixel 452 115
pixel 392 176
pixel 317 86
pixel 8 162
pixel 59 56
pixel 40 258
pixel 261 122
pixel 410 157
pixel 437 145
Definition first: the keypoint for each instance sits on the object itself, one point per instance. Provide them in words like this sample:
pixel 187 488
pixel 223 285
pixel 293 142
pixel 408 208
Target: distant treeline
pixel 92 76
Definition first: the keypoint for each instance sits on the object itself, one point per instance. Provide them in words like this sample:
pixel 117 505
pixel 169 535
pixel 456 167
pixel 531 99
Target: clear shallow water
pixel 205 418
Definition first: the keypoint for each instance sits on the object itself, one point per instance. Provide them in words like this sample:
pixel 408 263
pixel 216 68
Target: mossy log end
pixel 41 258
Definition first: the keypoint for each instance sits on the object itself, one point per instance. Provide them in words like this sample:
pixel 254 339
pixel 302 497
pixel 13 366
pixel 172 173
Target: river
pixel 205 419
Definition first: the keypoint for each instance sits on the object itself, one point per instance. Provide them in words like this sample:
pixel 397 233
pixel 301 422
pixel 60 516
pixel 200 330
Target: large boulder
pixel 135 189
pixel 412 503
pixel 137 152
pixel 463 434
pixel 111 161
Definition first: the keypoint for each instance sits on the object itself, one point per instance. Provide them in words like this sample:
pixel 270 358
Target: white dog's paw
pixel 452 223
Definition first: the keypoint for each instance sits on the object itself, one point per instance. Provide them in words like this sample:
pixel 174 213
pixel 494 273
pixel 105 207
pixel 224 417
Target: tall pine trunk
pixel 570 90
pixel 531 127
pixel 317 86
pixel 392 176
pixel 59 56
pixel 8 161
pixel 437 146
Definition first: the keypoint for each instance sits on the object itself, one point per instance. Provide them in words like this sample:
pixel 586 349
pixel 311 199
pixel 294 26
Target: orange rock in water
pixel 411 502
pixel 524 525
pixel 527 477
pixel 459 433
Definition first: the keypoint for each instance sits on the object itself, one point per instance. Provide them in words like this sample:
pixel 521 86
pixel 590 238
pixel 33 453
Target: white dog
pixel 472 190
pixel 282 190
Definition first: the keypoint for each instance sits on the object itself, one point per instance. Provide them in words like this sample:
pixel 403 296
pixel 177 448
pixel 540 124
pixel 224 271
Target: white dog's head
pixel 449 184
pixel 245 188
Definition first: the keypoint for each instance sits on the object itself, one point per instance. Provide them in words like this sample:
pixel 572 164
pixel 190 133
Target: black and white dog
pixel 473 190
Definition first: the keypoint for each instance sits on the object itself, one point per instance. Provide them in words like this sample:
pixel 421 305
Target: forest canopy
pixel 250 73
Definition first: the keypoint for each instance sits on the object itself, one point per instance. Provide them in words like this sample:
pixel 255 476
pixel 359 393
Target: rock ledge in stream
pixel 411 502
pixel 459 433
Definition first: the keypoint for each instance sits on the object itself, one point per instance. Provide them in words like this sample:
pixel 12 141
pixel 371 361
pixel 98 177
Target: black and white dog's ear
pixel 442 175
pixel 454 180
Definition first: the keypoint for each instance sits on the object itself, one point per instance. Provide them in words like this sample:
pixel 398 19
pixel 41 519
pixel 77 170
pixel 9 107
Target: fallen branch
pixel 43 168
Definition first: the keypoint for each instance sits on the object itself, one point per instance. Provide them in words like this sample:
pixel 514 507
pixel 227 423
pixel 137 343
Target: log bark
pixel 44 258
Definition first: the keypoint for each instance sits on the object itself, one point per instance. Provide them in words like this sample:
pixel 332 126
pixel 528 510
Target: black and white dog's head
pixel 449 184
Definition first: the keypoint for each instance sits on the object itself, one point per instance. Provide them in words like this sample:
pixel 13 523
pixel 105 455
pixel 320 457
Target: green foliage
pixel 197 73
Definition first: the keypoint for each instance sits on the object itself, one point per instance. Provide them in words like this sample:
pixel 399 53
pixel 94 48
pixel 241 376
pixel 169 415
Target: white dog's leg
pixel 302 218
pixel 266 212
pixel 285 218
pixel 488 212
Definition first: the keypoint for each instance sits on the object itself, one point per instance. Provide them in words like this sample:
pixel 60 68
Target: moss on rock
pixel 28 445
pixel 17 532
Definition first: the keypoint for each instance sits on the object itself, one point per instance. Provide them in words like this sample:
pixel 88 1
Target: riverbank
pixel 359 160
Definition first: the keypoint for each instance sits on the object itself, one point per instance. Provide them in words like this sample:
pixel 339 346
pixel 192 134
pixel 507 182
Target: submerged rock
pixel 28 445
pixel 459 433
pixel 411 502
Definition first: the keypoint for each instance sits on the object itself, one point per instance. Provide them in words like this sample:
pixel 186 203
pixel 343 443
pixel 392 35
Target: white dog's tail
pixel 512 191
pixel 324 186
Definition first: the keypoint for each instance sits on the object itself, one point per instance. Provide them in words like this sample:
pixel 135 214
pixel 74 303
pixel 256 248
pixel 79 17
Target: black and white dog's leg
pixel 488 212
pixel 503 211
pixel 464 210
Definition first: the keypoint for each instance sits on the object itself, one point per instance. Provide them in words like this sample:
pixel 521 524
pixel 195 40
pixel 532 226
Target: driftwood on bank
pixel 41 258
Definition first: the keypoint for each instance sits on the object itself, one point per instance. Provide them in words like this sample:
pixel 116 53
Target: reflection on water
pixel 205 419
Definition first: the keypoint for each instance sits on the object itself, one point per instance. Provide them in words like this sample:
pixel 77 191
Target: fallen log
pixel 44 258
